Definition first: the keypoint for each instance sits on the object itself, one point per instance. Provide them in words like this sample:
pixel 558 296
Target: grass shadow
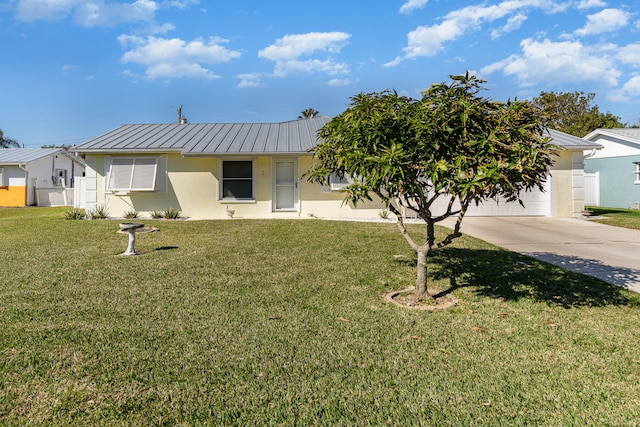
pixel 512 276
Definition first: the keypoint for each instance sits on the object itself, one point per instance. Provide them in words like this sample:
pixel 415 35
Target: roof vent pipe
pixel 181 119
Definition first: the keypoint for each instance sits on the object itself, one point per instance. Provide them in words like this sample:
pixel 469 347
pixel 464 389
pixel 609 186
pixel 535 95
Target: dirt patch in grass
pixel 406 298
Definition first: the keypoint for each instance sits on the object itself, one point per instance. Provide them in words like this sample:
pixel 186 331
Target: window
pixel 637 173
pixel 132 174
pixel 2 184
pixel 61 178
pixel 336 183
pixel 237 180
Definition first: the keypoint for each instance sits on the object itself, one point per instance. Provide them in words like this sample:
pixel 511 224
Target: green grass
pixel 626 218
pixel 284 323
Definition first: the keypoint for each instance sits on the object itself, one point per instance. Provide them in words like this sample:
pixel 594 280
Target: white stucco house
pixel 255 170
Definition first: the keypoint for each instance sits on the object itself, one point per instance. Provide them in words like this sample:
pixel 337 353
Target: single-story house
pixel 38 176
pixel 615 168
pixel 254 170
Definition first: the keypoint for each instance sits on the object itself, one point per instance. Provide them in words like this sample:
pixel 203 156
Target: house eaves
pixel 629 135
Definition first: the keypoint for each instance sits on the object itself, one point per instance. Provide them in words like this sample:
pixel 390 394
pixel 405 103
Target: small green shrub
pixel 131 214
pixel 157 214
pixel 384 213
pixel 75 213
pixel 99 212
pixel 172 213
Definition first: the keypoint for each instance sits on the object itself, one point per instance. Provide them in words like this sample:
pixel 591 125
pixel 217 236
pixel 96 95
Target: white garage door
pixel 536 203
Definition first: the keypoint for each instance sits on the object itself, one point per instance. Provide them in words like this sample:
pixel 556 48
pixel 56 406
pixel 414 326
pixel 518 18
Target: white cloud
pixel 293 46
pixel 629 91
pixel 513 23
pixel 339 82
pixel 250 80
pixel 88 14
pixel 588 4
pixel 430 40
pixel 605 21
pixel 287 52
pixel 175 58
pixel 559 62
pixel 412 5
pixel 629 54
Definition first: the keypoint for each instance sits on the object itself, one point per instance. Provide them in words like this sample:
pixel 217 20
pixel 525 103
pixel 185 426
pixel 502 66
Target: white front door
pixel 285 185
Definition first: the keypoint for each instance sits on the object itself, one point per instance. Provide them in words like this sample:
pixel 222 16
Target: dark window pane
pixel 237 169
pixel 237 189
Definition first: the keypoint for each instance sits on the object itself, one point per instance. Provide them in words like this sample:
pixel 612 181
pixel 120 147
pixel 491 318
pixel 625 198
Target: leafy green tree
pixel 453 143
pixel 574 113
pixel 7 142
pixel 308 112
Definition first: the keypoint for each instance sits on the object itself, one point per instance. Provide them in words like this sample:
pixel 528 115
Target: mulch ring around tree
pixel 406 298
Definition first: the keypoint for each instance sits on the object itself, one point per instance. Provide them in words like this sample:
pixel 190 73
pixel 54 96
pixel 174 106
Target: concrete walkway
pixel 609 253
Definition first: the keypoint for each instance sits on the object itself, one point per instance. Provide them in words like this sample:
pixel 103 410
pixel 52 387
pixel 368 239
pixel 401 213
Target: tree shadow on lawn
pixel 512 276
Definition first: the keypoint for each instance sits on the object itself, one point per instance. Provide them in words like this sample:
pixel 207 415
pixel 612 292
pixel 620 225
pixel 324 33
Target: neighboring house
pixel 616 168
pixel 254 170
pixel 38 176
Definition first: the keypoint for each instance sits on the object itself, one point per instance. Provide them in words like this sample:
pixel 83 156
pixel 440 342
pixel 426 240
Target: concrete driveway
pixel 609 253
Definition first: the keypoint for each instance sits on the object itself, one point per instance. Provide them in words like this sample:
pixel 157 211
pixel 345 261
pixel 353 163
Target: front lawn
pixel 243 322
pixel 626 218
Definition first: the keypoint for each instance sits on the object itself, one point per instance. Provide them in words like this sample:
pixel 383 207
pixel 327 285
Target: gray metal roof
pixel 570 142
pixel 628 134
pixel 20 156
pixel 207 139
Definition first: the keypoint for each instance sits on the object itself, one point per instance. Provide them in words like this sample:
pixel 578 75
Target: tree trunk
pixel 421 280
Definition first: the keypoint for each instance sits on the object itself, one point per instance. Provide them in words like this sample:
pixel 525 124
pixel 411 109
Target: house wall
pixel 567 178
pixel 616 166
pixel 13 191
pixel 617 180
pixel 193 187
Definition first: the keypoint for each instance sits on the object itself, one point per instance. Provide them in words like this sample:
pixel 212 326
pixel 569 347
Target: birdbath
pixel 131 228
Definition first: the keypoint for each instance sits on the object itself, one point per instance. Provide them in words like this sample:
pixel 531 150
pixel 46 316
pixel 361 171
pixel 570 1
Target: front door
pixel 285 185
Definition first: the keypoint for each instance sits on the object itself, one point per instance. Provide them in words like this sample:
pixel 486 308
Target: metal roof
pixel 631 135
pixel 570 142
pixel 20 156
pixel 205 139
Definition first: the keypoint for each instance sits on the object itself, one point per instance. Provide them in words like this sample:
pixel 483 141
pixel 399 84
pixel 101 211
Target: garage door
pixel 536 203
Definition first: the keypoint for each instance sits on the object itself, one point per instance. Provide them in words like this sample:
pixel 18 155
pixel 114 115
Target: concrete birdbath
pixel 131 228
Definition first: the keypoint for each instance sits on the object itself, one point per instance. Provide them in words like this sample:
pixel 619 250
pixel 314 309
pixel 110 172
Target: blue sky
pixel 71 70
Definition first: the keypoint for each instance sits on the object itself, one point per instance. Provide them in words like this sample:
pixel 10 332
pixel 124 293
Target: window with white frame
pixel 132 174
pixel 637 173
pixel 336 183
pixel 237 180
pixel 2 184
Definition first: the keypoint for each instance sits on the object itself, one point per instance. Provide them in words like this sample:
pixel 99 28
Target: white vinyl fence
pixel 55 196
pixel 592 189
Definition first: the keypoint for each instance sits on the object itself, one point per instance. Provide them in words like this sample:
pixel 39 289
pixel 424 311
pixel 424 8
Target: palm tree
pixel 309 112
pixel 7 142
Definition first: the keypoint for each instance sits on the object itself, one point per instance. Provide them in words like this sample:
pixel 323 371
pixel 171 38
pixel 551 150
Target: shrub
pixel 384 213
pixel 172 213
pixel 131 214
pixel 75 213
pixel 99 212
pixel 157 214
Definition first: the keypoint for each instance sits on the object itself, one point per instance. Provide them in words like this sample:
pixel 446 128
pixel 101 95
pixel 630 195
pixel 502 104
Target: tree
pixel 7 142
pixel 309 112
pixel 452 143
pixel 574 113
